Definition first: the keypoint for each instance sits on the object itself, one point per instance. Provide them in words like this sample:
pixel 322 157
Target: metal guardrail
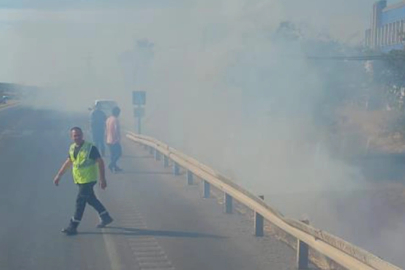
pixel 338 250
pixel 8 104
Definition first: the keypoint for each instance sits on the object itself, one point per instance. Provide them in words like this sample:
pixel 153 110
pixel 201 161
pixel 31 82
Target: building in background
pixel 387 31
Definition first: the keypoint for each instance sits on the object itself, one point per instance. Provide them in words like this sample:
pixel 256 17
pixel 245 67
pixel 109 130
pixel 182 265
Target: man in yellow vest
pixel 87 165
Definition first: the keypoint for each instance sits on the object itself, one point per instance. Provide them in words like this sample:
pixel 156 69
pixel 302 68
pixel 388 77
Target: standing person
pixel 97 123
pixel 113 138
pixel 87 167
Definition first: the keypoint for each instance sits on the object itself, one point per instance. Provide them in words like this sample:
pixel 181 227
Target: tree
pixel 389 75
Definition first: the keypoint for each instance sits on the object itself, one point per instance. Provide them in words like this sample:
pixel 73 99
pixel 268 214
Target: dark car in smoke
pixel 106 105
pixel 3 99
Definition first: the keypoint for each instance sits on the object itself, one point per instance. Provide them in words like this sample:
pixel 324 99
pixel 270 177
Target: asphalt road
pixel 160 221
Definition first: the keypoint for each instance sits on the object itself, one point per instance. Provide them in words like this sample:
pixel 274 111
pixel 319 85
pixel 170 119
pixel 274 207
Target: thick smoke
pixel 222 85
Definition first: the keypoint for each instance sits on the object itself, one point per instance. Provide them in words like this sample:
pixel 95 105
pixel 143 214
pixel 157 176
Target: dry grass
pixel 365 131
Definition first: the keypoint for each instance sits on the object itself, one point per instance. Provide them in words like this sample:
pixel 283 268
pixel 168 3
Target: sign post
pixel 139 101
pixel 139 126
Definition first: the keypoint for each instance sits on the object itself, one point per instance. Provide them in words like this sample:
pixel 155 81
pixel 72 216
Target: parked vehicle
pixel 106 105
pixel 4 99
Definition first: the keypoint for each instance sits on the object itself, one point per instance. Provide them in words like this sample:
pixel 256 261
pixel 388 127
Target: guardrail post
pixel 166 161
pixel 302 252
pixel 207 189
pixel 228 203
pixel 176 169
pixel 157 155
pixel 190 178
pixel 259 223
pixel 151 150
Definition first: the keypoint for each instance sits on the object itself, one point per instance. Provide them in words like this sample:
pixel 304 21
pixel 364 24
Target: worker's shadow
pixel 113 230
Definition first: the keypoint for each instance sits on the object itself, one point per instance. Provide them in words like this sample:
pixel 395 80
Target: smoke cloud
pixel 222 85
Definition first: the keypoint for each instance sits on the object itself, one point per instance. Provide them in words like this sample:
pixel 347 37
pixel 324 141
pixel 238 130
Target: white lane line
pixel 162 258
pixel 146 249
pixel 136 243
pixel 9 106
pixel 111 249
pixel 147 253
pixel 12 133
pixel 156 265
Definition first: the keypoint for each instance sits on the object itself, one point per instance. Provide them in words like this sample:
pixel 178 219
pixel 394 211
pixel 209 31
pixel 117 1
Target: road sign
pixel 139 112
pixel 138 97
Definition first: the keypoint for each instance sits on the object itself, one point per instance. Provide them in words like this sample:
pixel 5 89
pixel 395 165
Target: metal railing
pixel 9 104
pixel 338 250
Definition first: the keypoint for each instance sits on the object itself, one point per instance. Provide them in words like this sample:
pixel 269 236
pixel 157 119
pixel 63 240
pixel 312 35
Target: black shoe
pixel 118 169
pixel 105 221
pixel 69 230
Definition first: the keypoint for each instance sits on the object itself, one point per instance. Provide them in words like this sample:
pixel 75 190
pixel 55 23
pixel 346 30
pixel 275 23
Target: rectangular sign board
pixel 138 97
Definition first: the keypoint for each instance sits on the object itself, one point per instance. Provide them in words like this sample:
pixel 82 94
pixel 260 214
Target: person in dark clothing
pixel 87 166
pixel 97 123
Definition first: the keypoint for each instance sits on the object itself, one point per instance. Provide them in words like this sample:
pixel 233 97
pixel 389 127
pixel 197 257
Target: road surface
pixel 160 222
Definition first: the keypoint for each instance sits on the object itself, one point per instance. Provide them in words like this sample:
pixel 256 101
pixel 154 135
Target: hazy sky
pixel 326 13
pixel 43 34
pixel 61 4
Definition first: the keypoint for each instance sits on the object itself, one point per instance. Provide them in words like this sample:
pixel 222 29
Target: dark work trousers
pixel 115 152
pixel 86 195
pixel 98 140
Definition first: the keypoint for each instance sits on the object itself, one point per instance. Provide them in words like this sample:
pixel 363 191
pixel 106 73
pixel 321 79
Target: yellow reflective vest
pixel 84 169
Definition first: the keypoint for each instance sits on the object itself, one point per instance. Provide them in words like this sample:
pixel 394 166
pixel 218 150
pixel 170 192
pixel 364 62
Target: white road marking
pixel 111 249
pixel 148 254
pixel 9 106
pixel 12 133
